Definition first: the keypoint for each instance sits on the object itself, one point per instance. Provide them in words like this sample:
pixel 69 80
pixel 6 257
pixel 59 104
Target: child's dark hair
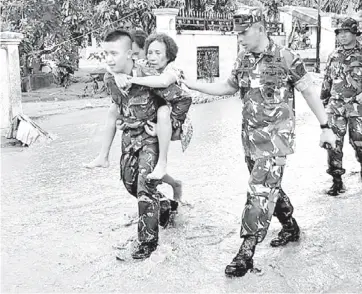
pixel 171 46
pixel 139 37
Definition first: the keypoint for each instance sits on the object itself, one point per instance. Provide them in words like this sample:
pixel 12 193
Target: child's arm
pixel 151 78
pixel 162 81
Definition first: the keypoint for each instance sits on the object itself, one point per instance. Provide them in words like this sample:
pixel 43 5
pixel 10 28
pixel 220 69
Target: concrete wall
pixel 328 38
pixel 188 41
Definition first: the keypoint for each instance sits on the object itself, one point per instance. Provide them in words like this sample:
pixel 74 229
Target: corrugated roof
pixel 304 14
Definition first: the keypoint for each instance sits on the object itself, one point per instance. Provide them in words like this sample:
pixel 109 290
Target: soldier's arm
pixel 315 104
pixel 325 94
pixel 217 89
pixel 227 87
pixel 303 82
pixel 112 116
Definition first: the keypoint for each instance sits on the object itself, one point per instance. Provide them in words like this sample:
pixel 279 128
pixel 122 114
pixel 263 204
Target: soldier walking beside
pixel 266 75
pixel 342 97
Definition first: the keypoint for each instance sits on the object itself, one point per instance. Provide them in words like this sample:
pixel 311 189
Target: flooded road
pixel 59 220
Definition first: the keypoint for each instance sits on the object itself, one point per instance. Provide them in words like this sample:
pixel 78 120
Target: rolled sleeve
pixel 297 73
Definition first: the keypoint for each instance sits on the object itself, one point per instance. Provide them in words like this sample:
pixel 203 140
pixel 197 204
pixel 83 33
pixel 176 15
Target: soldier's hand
pixel 150 128
pixel 187 83
pixel 122 80
pixel 328 139
pixel 359 98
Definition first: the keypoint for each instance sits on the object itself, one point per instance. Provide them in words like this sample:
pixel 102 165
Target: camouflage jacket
pixel 343 82
pixel 266 84
pixel 136 106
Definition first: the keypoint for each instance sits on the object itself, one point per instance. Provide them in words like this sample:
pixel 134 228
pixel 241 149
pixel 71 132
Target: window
pixel 207 62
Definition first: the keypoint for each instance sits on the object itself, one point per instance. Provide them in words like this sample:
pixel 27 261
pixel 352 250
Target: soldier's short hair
pixel 119 35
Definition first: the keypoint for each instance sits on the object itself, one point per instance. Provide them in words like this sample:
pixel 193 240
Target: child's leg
pixel 164 132
pixel 176 186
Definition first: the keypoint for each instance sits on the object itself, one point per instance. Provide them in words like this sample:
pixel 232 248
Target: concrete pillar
pixel 10 81
pixel 287 19
pixel 166 21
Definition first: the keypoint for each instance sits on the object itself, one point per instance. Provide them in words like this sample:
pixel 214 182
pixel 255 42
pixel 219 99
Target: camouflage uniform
pixel 341 86
pixel 140 153
pixel 266 84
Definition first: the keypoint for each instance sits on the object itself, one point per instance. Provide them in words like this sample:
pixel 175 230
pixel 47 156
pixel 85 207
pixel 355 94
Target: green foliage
pixel 45 25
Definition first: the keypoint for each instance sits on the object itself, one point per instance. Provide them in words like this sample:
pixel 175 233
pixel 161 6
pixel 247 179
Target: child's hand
pixel 150 128
pixel 120 125
pixel 122 80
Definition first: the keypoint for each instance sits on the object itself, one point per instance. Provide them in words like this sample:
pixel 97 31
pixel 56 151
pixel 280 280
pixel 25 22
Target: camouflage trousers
pixel 339 126
pixel 135 166
pixel 265 197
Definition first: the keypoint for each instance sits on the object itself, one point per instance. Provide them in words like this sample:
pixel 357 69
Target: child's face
pixel 156 55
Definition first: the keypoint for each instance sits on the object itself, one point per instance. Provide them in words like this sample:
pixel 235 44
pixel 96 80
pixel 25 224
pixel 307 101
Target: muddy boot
pixel 144 250
pixel 337 187
pixel 289 233
pixel 243 261
pixel 167 208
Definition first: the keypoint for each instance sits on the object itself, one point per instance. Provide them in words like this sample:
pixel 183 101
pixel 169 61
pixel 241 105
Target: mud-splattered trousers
pixel 140 153
pixel 265 197
pixel 339 126
pixel 341 95
pixel 135 166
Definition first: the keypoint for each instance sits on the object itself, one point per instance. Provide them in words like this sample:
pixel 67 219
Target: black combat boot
pixel 289 233
pixel 144 250
pixel 243 261
pixel 167 209
pixel 337 187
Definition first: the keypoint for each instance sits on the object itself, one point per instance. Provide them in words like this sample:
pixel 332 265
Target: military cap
pixel 348 24
pixel 243 21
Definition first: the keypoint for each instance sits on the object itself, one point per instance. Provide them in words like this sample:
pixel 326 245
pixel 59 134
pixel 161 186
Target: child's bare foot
pixel 97 162
pixel 177 191
pixel 159 172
